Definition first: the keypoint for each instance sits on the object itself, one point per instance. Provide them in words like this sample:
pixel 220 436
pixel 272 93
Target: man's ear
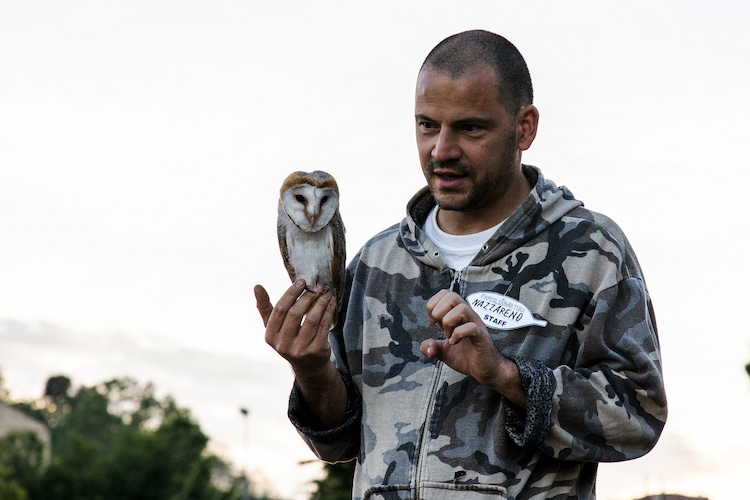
pixel 527 120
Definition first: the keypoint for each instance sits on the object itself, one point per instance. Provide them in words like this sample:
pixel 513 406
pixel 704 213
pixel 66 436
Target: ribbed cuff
pixel 531 426
pixel 300 415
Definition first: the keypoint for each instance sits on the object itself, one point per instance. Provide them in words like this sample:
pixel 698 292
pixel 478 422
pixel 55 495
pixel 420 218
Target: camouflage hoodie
pixel 592 374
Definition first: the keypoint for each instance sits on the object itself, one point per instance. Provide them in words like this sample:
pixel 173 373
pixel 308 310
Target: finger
pixel 263 303
pixel 298 312
pixel 320 340
pixel 307 344
pixel 280 312
pixel 432 348
pixel 318 319
pixel 468 330
pixel 433 306
pixel 436 298
pixel 457 316
pixel 433 302
pixel 442 304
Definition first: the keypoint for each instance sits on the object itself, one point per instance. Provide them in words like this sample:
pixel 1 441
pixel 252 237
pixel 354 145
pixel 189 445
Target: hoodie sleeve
pixel 611 405
pixel 339 444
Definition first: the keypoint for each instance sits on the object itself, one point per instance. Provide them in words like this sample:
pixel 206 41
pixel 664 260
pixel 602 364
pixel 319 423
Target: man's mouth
pixel 449 180
pixel 449 177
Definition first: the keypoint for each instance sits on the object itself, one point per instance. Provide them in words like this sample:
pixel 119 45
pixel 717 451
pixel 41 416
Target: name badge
pixel 501 312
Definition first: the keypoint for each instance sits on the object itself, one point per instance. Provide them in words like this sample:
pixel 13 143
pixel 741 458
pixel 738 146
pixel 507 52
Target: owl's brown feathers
pixel 310 231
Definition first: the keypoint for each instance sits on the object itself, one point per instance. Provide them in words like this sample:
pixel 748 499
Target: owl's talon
pixel 317 289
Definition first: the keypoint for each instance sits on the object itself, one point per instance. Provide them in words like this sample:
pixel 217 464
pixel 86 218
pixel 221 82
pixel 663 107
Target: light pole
pixel 245 484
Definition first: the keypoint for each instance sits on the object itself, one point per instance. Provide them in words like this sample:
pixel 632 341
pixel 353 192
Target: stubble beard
pixel 483 192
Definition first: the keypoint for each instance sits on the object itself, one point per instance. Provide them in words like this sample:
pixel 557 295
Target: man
pixel 499 342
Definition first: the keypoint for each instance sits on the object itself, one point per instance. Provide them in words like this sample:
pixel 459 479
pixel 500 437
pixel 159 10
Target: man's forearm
pixel 324 394
pixel 509 383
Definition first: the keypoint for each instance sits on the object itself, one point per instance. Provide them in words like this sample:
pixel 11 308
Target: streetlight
pixel 245 483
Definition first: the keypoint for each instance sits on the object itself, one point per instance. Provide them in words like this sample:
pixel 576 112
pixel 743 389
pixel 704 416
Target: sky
pixel 142 146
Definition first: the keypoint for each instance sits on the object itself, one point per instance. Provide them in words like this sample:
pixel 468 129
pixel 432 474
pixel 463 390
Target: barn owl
pixel 311 233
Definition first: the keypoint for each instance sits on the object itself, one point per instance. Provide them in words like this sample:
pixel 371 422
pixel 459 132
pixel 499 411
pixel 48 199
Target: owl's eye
pixel 323 199
pixel 300 198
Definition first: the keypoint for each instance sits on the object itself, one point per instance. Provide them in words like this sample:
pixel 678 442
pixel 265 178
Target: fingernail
pixel 299 283
pixel 318 287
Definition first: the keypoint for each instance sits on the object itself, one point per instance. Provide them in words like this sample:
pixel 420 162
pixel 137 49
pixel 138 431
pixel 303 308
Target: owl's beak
pixel 311 216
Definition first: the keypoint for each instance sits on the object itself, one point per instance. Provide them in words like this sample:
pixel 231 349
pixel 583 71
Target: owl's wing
pixel 283 246
pixel 338 262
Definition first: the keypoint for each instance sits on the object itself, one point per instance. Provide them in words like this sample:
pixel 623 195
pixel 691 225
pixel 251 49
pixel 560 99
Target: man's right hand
pixel 297 328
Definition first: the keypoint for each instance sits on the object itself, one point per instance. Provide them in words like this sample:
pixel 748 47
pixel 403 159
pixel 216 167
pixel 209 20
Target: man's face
pixel 465 137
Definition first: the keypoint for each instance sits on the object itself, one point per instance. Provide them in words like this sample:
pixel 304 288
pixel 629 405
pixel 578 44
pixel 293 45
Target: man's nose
pixel 446 147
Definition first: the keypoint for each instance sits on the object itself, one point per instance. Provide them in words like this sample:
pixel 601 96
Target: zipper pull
pixel 456 281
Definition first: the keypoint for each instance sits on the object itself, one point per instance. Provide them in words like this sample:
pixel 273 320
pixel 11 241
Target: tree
pixel 116 441
pixel 57 388
pixel 337 484
pixel 9 488
pixel 3 392
pixel 22 459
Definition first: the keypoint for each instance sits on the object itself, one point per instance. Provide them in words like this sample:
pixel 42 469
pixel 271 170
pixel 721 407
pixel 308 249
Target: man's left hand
pixel 468 347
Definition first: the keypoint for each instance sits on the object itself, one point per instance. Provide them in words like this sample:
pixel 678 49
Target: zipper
pixel 421 459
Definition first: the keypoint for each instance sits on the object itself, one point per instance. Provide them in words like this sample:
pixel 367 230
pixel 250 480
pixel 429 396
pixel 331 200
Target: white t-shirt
pixel 458 250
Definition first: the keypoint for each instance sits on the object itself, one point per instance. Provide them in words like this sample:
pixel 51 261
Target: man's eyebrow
pixel 473 120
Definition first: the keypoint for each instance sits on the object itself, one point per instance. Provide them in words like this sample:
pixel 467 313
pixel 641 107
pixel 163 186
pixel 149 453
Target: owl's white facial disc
pixel 309 207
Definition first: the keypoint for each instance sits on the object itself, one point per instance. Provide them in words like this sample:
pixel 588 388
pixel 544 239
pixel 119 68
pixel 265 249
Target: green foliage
pixel 57 388
pixel 9 487
pixel 113 441
pixel 22 458
pixel 337 484
pixel 3 392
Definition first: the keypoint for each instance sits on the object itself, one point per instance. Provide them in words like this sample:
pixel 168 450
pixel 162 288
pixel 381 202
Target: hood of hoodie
pixel 546 204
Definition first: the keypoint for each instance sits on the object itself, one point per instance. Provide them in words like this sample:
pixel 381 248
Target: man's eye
pixel 472 128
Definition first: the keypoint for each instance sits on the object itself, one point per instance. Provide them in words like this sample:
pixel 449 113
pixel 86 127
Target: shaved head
pixel 463 52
